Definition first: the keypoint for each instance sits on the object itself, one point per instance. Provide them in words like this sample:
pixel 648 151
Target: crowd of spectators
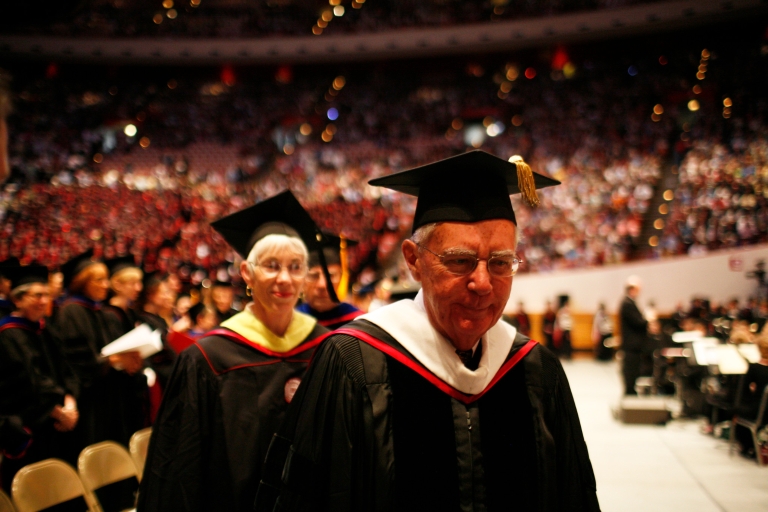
pixel 230 19
pixel 721 199
pixel 208 143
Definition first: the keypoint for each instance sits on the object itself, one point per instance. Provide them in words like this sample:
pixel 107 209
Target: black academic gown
pixel 162 362
pixel 109 406
pixel 371 429
pixel 225 399
pixel 34 378
pixel 119 321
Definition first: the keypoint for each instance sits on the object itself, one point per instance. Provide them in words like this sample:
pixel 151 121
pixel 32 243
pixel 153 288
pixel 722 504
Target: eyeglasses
pixel 273 268
pixel 464 263
pixel 313 277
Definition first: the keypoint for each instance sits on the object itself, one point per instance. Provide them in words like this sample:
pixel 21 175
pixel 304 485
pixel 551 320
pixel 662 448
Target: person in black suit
pixel 634 335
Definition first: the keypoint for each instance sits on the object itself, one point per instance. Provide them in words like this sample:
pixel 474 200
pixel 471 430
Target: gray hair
pixel 422 235
pixel 278 243
pixel 17 292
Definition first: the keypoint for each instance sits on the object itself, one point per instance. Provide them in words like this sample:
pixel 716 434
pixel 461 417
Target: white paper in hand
pixel 142 339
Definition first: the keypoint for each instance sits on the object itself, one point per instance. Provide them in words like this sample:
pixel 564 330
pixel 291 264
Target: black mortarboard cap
pixel 75 265
pixel 13 261
pixel 281 214
pixel 470 187
pixel 331 250
pixel 115 265
pixel 27 274
pixel 222 284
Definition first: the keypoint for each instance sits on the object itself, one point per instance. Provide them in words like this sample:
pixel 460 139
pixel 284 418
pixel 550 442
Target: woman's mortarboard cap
pixel 470 187
pixel 281 214
pixel 75 265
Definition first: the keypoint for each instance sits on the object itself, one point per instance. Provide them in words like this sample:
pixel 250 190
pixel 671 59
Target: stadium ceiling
pixel 392 44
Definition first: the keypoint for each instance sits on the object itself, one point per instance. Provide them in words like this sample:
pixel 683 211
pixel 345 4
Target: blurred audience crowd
pixel 139 161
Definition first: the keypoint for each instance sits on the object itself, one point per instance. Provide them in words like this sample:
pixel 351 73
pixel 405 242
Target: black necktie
pixel 469 360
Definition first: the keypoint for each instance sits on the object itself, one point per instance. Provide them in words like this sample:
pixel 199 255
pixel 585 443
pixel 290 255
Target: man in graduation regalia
pixel 230 390
pixel 318 302
pixel 37 387
pixel 434 404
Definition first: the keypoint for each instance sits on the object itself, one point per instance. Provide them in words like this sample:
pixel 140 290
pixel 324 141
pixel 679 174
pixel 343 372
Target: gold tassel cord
pixel 525 181
pixel 341 289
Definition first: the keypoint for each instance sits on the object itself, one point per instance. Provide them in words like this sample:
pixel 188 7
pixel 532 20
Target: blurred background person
pixel 155 308
pixel 563 326
pixel 602 329
pixel 223 295
pixel 107 412
pixel 125 282
pixel 203 318
pixel 37 386
pixel 634 335
pixel 548 326
pixel 317 300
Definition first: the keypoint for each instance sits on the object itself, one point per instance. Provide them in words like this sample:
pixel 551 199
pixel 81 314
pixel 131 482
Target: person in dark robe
pixel 433 403
pixel 563 326
pixel 523 322
pixel 125 282
pixel 222 295
pixel 37 387
pixel 155 308
pixel 230 390
pixel 548 326
pixel 317 301
pixel 107 403
pixel 634 335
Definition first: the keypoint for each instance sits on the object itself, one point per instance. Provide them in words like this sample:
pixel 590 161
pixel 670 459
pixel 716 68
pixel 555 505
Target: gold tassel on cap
pixel 525 181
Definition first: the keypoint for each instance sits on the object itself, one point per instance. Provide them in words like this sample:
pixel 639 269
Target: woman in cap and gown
pixel 107 412
pixel 229 391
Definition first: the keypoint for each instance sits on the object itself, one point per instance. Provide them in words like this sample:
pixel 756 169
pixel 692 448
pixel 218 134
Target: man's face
pixel 33 304
pixel 316 291
pixel 463 308
pixel 222 298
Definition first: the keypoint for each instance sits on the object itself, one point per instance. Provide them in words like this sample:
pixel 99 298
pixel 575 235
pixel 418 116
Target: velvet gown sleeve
pixel 332 464
pixel 177 470
pixel 26 390
pixel 81 342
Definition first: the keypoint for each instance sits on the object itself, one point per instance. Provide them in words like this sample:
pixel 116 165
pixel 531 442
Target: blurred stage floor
pixel 648 468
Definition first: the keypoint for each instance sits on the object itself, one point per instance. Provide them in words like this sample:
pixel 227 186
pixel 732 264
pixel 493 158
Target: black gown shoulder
pixel 369 431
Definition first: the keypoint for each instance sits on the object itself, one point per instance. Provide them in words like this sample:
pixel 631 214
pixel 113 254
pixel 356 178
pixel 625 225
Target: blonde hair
pixel 124 275
pixel 77 286
pixel 277 243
